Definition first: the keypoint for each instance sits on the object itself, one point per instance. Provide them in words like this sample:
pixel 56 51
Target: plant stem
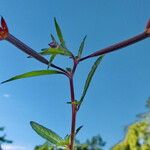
pixel 119 45
pixel 26 49
pixel 74 112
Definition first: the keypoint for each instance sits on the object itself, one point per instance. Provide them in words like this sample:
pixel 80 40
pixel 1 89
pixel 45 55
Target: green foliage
pixel 89 78
pixel 146 115
pixel 81 47
pixel 136 138
pixel 59 34
pixel 138 134
pixel 52 57
pixel 46 133
pixel 32 74
pixel 95 143
pixel 55 51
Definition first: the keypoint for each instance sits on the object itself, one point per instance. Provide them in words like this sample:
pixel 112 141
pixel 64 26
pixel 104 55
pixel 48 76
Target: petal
pixel 148 24
pixel 4 25
pixel 3 29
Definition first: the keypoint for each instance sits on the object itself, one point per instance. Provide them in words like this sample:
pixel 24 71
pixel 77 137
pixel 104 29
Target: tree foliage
pixel 3 138
pixel 138 134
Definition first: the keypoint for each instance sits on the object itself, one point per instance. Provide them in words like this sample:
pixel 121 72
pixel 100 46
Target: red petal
pixel 1 29
pixel 4 25
pixel 148 24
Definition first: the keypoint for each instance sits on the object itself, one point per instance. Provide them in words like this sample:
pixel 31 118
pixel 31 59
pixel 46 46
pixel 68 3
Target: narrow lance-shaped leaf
pixel 33 74
pixel 55 51
pixel 81 47
pixel 78 129
pixel 46 133
pixel 59 33
pixel 53 39
pixel 51 60
pixel 89 78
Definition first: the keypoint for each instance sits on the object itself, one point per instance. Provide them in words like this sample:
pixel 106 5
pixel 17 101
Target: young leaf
pixel 32 74
pixel 51 59
pixel 59 33
pixel 66 141
pixel 46 133
pixel 78 129
pixel 55 51
pixel 53 39
pixel 81 47
pixel 89 78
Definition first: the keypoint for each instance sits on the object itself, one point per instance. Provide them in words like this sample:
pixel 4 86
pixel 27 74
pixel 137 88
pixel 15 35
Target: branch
pixel 122 44
pixel 5 35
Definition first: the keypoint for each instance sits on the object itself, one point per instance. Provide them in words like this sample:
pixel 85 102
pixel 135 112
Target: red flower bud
pixel 148 27
pixel 3 29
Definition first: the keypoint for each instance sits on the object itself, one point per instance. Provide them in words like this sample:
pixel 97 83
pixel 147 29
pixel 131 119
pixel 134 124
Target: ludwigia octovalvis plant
pixel 60 48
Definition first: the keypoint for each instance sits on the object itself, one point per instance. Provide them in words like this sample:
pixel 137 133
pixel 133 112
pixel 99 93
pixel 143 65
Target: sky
pixel 118 91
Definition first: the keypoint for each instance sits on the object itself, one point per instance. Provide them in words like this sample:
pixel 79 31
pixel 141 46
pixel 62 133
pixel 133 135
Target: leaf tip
pixel 85 36
pixel 31 123
pixel 4 82
pixel 55 20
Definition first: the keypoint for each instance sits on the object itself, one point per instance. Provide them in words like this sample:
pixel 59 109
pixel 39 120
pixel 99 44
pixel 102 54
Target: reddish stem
pixel 73 105
pixel 119 45
pixel 26 49
pixel 74 112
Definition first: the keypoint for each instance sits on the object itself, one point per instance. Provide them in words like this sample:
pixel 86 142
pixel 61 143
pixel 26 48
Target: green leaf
pixel 63 143
pixel 67 140
pixel 53 39
pixel 59 33
pixel 89 78
pixel 78 129
pixel 81 47
pixel 55 51
pixel 51 59
pixel 46 133
pixel 32 74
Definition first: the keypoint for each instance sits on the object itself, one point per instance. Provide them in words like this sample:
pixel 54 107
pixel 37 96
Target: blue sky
pixel 119 88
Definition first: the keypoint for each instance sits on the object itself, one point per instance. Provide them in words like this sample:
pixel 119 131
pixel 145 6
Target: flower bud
pixel 3 29
pixel 53 44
